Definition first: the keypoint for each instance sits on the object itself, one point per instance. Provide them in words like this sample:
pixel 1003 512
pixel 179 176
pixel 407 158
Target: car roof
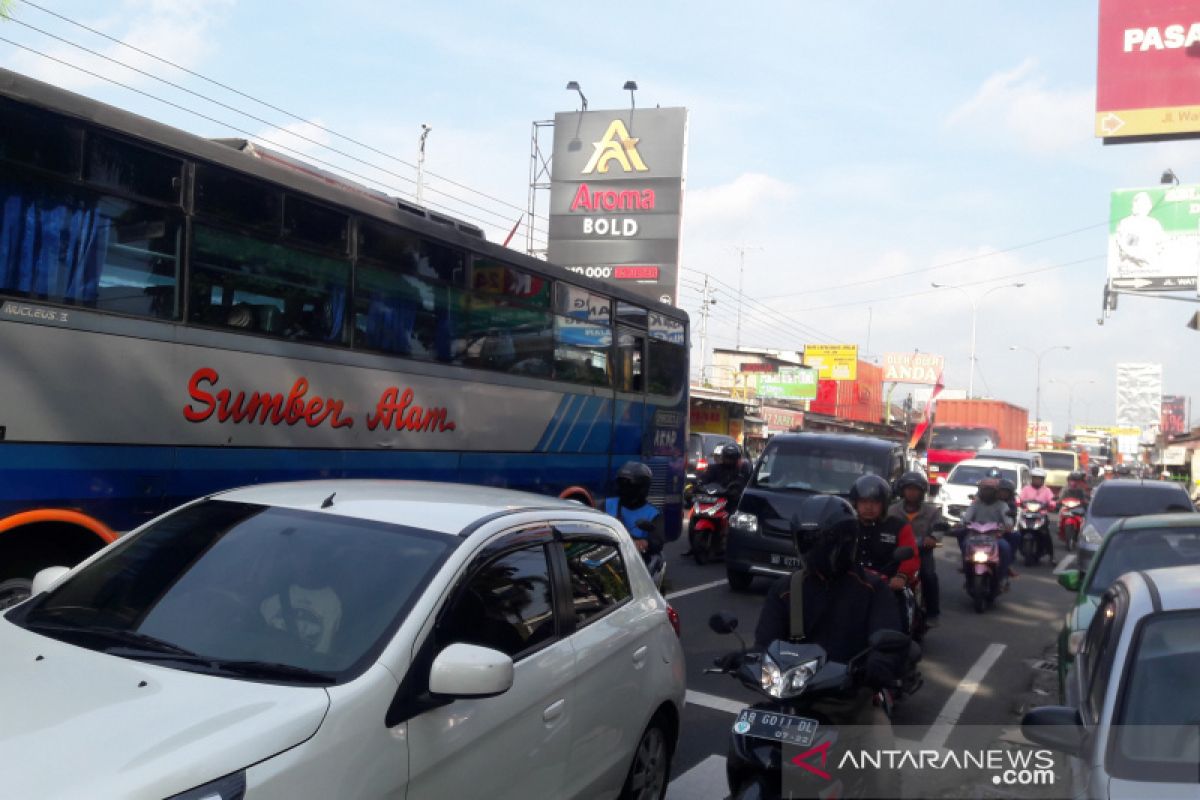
pixel 1140 483
pixel 844 439
pixel 996 451
pixel 989 462
pixel 1169 588
pixel 444 507
pixel 1062 452
pixel 1143 522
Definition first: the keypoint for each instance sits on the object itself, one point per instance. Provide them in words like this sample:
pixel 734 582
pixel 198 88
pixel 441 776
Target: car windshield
pixel 1158 733
pixel 1135 500
pixel 221 583
pixel 1136 550
pixel 972 474
pixel 1058 461
pixel 961 439
pixel 1017 458
pixel 804 467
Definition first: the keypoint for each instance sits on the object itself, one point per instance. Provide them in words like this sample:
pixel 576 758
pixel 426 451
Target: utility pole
pixel 425 130
pixel 741 251
pixel 706 300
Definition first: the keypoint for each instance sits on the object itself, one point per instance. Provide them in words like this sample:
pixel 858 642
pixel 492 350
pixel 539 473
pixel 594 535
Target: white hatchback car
pixel 956 493
pixel 348 639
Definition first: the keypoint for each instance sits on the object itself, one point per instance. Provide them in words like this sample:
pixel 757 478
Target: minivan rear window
pixel 825 469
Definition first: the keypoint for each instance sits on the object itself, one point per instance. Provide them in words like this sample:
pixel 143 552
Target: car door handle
pixel 639 655
pixel 554 710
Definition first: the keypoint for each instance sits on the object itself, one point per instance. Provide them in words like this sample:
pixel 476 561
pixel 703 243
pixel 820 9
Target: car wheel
pixel 647 779
pixel 14 590
pixel 739 581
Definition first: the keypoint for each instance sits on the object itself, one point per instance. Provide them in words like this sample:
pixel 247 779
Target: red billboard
pixel 1174 415
pixel 1148 70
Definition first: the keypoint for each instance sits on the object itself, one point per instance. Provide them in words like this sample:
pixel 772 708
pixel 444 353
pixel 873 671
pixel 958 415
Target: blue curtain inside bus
pixel 51 249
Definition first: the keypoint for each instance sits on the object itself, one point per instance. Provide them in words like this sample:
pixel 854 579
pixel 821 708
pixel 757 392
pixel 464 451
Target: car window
pixel 972 474
pixel 1098 653
pixel 1135 500
pixel 245 582
pixel 599 580
pixel 1058 461
pixel 1158 733
pixel 827 469
pixel 1137 550
pixel 507 604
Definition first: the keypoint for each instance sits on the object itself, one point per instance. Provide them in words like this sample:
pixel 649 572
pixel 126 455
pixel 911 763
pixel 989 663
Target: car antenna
pixel 328 503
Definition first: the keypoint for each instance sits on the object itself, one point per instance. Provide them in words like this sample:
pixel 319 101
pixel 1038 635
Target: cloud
pixel 1018 106
pixel 748 195
pixel 178 30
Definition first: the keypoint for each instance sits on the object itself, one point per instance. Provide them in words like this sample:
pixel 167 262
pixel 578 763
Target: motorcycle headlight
pixel 742 521
pixel 1033 506
pixel 782 685
pixel 979 557
pixel 230 787
pixel 1092 536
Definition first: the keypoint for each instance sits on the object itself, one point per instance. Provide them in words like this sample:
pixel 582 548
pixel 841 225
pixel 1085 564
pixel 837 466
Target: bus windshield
pixel 962 439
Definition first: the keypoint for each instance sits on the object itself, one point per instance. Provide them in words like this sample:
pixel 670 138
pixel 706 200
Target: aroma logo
pixel 616 145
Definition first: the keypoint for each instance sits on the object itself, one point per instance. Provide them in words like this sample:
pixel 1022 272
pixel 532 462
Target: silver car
pixel 1131 725
pixel 1117 499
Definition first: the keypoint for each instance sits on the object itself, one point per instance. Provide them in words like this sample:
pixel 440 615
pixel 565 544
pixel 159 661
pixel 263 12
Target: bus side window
pixel 631 348
pixel 666 368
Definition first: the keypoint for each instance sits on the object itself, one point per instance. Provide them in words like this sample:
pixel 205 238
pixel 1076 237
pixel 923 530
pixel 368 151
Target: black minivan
pixel 793 467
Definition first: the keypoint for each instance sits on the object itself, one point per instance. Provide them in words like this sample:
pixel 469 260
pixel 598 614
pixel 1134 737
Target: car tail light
pixel 701 465
pixel 673 618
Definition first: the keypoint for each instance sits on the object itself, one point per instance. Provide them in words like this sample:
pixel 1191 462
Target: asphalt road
pixel 975 666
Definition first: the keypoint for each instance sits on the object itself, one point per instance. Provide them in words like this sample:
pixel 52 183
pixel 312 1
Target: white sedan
pixel 348 639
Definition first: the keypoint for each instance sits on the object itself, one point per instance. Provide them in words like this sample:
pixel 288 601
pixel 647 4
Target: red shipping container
pixel 1008 420
pixel 859 400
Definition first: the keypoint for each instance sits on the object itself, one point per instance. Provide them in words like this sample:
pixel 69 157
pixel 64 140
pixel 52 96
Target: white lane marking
pixel 693 589
pixel 705 781
pixel 943 726
pixel 714 702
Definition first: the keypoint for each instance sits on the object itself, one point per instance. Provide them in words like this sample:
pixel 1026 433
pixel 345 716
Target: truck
pixel 962 428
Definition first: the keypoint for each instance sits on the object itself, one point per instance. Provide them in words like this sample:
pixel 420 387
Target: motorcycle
pixel 709 523
pixel 1033 525
pixel 981 563
pixel 792 678
pixel 1070 521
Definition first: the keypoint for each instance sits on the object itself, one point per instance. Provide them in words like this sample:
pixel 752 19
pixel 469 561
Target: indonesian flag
pixel 924 425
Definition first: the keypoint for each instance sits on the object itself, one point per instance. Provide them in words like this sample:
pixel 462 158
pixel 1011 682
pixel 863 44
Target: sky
pixel 855 151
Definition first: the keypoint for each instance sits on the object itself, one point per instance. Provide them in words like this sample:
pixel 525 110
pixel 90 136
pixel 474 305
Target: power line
pixel 996 279
pixel 279 145
pixel 956 262
pixel 264 103
pixel 822 336
pixel 256 118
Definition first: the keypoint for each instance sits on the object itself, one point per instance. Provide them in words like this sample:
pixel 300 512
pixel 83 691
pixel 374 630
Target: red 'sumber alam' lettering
pixel 397 411
pixel 261 407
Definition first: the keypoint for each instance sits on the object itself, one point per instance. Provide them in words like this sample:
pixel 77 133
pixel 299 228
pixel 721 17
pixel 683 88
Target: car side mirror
pixel 1056 727
pixel 888 641
pixel 46 578
pixel 467 670
pixel 1070 580
pixel 723 622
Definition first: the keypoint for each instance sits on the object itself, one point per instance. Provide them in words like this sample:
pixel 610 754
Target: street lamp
pixel 574 86
pixel 1038 400
pixel 631 87
pixel 974 314
pixel 1071 396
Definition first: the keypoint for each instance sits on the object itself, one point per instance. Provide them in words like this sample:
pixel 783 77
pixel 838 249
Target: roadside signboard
pixel 833 362
pixel 793 383
pixel 1154 239
pixel 923 368
pixel 1146 69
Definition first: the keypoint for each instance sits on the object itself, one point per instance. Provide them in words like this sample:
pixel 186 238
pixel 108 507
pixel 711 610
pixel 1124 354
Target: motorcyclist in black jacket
pixel 730 471
pixel 842 603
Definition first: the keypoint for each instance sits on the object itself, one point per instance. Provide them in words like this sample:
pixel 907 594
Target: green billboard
pixel 789 383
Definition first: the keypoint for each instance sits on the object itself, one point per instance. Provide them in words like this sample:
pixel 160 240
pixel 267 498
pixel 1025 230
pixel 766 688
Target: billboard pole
pixel 741 251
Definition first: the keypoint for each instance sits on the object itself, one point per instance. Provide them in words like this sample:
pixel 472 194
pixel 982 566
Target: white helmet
pixel 1037 472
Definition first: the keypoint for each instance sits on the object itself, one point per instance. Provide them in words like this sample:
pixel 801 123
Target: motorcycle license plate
pixel 783 728
pixel 785 561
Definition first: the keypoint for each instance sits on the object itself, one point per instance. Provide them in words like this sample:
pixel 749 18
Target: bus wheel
pixel 13 591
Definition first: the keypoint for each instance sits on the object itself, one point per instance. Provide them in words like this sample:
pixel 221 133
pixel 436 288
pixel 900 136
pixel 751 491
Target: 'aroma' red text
pixel 262 407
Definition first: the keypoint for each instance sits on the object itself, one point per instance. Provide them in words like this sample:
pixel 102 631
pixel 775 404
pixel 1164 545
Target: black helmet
pixel 988 488
pixel 870 487
pixel 825 532
pixel 1006 485
pixel 730 453
pixel 1077 476
pixel 912 478
pixel 633 483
